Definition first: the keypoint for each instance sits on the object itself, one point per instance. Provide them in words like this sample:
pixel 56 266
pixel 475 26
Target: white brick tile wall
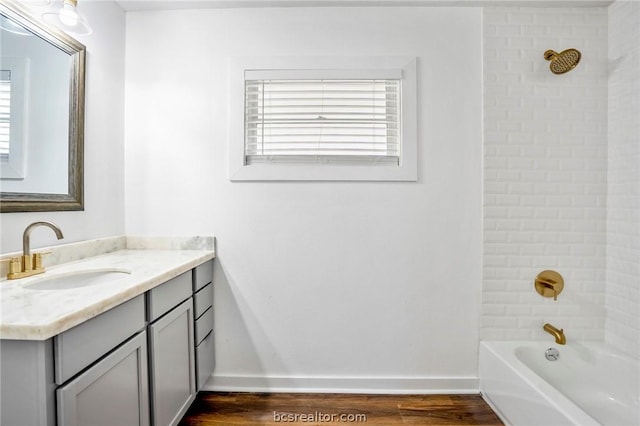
pixel 623 184
pixel 545 171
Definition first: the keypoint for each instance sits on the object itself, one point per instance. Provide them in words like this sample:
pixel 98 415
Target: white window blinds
pixel 5 112
pixel 322 120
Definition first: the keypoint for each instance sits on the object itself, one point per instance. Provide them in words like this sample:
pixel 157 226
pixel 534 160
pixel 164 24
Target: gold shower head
pixel 562 62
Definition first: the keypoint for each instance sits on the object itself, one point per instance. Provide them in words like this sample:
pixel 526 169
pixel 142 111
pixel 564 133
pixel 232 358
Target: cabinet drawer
pixel 205 361
pixel 168 295
pixel 202 275
pixel 203 300
pixel 204 325
pixel 115 391
pixel 77 348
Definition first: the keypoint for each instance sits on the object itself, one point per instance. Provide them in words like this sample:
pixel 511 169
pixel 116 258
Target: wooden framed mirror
pixel 42 88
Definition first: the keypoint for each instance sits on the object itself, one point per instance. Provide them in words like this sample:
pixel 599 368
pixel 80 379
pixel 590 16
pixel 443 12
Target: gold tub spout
pixel 558 334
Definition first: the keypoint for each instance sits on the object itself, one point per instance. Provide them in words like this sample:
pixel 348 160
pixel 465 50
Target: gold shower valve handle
pixel 549 284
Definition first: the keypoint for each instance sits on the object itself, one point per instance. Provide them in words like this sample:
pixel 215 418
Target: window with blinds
pixel 5 113
pixel 322 120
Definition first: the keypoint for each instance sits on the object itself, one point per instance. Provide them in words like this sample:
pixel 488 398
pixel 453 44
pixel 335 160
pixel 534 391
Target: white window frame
pixel 332 67
pixel 14 167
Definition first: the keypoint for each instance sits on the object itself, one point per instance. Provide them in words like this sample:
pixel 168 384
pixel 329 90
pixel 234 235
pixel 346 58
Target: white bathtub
pixel 587 385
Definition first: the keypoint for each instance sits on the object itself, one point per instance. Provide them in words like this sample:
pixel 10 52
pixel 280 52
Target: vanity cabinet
pixel 140 363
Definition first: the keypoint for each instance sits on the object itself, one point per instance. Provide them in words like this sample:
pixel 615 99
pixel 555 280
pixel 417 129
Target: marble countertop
pixel 28 314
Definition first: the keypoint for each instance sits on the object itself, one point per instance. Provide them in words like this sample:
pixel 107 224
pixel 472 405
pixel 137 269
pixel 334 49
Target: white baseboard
pixel 370 385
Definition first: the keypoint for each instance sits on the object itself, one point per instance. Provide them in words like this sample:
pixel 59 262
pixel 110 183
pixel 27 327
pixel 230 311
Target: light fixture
pixel 66 17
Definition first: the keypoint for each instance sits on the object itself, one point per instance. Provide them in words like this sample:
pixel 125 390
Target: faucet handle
pixel 37 260
pixel 15 265
pixel 549 284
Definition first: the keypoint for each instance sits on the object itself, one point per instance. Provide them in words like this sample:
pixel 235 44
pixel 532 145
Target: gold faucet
pixel 558 334
pixel 30 264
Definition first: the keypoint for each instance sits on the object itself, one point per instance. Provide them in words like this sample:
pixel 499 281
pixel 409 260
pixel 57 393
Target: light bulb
pixel 65 16
pixel 68 14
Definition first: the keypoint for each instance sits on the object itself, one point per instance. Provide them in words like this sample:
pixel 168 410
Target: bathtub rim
pixel 505 352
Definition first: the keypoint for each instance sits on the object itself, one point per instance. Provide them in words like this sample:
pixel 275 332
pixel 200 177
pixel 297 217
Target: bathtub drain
pixel 552 354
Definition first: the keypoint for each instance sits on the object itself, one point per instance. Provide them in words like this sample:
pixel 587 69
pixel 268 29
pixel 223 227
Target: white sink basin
pixel 77 279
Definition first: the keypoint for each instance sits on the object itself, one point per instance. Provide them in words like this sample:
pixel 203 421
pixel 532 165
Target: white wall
pixel 103 146
pixel 319 285
pixel 545 172
pixel 623 179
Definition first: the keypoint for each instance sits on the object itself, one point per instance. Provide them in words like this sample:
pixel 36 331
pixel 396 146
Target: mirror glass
pixel 41 115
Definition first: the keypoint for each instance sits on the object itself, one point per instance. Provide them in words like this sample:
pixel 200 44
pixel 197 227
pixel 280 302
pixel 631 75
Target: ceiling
pixel 137 5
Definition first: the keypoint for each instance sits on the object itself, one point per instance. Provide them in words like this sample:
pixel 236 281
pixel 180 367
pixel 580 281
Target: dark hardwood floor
pixel 229 409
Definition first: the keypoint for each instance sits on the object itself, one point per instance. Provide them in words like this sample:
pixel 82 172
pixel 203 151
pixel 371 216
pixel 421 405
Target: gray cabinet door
pixel 114 391
pixel 172 371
